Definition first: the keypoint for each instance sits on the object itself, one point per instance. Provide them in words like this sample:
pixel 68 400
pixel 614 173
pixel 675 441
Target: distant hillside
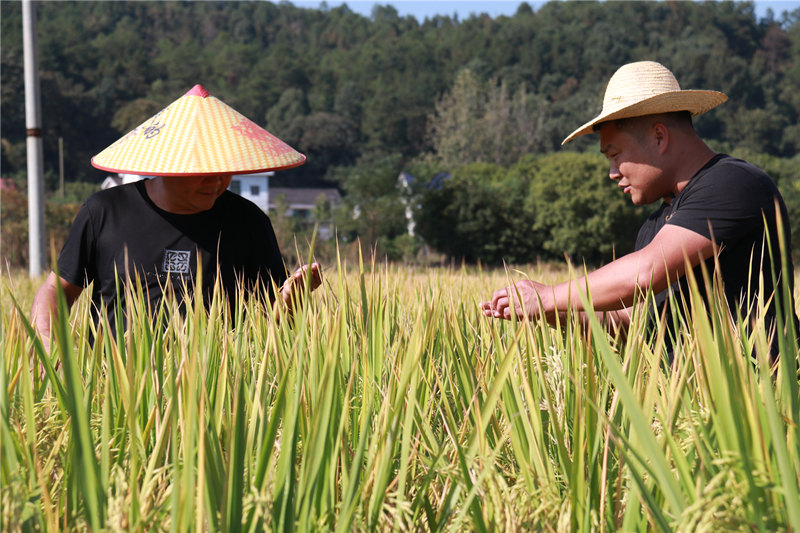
pixel 338 85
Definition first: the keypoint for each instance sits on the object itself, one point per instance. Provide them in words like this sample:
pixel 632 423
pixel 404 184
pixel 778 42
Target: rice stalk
pixel 387 402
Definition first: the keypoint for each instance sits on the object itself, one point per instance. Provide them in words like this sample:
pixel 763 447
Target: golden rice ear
pixel 195 135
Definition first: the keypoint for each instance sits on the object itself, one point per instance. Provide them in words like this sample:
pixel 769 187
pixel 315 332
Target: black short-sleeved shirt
pixel 729 201
pixel 120 230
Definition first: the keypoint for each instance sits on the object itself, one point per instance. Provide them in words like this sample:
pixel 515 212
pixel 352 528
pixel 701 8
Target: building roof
pixel 302 196
pixel 111 181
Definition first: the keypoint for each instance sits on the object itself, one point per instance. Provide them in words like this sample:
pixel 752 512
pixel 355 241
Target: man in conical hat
pixel 183 221
pixel 712 214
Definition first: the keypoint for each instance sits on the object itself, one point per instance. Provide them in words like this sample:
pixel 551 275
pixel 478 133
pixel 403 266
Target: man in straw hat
pixel 715 213
pixel 182 222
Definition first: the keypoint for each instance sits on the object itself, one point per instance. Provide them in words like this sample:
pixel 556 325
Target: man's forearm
pixel 612 287
pixel 44 307
pixel 45 304
pixel 654 267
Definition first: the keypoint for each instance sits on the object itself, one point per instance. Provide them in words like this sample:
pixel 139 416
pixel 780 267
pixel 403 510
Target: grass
pixel 391 403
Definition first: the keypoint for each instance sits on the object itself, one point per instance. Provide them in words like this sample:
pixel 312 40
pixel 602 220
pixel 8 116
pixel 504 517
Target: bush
pixel 541 207
pixel 577 208
pixel 479 213
pixel 14 227
pixel 75 192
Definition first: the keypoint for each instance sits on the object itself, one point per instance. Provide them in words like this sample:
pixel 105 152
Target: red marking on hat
pixel 249 129
pixel 198 90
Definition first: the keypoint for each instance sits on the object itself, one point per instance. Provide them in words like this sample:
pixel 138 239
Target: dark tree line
pixel 339 85
pixel 366 97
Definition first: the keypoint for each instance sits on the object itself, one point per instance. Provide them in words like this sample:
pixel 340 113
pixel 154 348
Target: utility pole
pixel 33 124
pixel 61 166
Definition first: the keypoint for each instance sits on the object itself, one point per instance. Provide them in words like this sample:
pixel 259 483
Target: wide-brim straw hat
pixel 197 135
pixel 647 88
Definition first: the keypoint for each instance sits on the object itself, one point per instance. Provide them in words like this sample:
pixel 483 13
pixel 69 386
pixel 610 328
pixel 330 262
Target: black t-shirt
pixel 728 201
pixel 120 230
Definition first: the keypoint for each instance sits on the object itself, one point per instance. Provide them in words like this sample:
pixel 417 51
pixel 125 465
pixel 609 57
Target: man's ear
pixel 661 137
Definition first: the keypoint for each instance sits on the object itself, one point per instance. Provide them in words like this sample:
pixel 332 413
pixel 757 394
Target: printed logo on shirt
pixel 176 262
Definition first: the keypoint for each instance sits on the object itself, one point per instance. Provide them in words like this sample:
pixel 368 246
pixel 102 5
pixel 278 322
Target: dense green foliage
pixel 14 225
pixel 368 97
pixel 338 84
pixel 479 213
pixel 546 206
pixel 577 210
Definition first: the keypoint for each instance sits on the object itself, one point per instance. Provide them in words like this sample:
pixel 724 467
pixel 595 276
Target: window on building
pixel 235 186
pixel 254 190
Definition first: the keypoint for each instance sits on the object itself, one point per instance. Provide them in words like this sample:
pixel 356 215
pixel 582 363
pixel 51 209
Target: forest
pixel 473 111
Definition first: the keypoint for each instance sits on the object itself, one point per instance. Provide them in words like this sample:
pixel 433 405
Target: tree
pixel 328 139
pixel 284 119
pixel 479 121
pixel 455 126
pixel 132 114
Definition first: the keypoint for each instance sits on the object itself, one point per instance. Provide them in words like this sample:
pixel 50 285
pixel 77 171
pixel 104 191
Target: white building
pixel 404 182
pixel 121 179
pixel 300 202
pixel 254 187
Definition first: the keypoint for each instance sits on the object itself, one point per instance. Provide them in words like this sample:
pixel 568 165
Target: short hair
pixel 674 119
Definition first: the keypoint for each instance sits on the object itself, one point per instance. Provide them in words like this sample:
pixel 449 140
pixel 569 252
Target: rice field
pixel 390 403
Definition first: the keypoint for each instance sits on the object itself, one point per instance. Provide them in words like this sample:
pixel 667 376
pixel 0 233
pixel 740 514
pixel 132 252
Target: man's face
pixel 194 194
pixel 632 157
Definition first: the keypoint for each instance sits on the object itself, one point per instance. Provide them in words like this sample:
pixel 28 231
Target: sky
pixel 422 9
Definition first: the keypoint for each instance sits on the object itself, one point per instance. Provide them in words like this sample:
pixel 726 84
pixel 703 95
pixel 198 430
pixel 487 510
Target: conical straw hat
pixel 647 88
pixel 197 134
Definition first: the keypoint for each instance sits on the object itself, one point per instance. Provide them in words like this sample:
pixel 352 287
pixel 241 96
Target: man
pixel 166 230
pixel 713 213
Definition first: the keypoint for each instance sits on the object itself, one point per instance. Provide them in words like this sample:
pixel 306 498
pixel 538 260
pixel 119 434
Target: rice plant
pixel 389 402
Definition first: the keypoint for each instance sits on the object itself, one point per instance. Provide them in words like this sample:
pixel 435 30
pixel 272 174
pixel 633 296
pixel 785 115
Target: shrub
pixel 478 214
pixel 577 209
pixel 14 227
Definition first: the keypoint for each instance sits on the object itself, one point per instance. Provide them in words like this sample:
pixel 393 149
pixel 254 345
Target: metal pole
pixel 61 166
pixel 33 124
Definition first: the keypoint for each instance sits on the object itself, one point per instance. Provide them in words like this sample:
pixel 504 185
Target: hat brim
pixel 301 160
pixel 695 102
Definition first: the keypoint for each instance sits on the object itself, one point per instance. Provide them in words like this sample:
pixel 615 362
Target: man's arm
pixel 45 304
pixel 614 286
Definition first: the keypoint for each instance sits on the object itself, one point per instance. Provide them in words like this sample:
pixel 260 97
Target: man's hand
pixel 525 296
pixel 292 289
